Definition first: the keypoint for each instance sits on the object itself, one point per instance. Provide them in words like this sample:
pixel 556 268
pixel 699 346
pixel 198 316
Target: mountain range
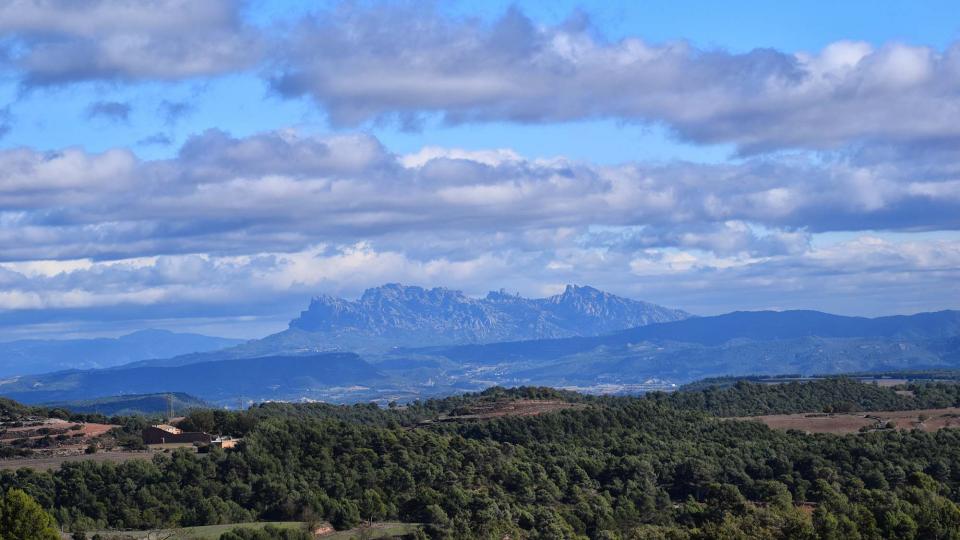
pixel 403 314
pixel 39 356
pixel 395 315
pixel 739 343
pixel 134 404
pixel 275 377
pixel 739 326
pixel 398 342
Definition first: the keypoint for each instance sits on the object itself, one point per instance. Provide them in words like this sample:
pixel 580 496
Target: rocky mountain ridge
pixel 414 314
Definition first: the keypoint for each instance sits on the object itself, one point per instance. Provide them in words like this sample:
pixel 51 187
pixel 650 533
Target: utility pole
pixel 169 408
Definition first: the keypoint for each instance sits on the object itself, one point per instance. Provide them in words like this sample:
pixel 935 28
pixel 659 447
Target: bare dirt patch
pixel 48 440
pixel 843 423
pixel 52 427
pixel 815 423
pixel 95 430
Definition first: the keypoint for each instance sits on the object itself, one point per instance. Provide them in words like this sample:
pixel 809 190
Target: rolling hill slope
pixel 276 377
pixel 40 356
pixel 720 329
pixel 131 404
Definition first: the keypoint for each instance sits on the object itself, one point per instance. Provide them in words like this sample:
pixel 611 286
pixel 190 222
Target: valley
pixel 299 364
pixel 405 414
pixel 510 270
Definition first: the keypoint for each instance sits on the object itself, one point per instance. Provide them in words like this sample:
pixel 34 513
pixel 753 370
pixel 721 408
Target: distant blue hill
pixel 645 357
pixel 255 378
pixel 770 325
pixel 720 329
pixel 40 356
pixel 146 404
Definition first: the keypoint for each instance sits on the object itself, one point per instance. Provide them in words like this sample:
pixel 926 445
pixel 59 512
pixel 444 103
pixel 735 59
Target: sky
pixel 210 166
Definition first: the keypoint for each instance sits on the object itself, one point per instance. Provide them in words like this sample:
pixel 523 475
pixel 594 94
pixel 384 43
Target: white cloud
pixel 61 41
pixel 381 62
pixel 282 191
pixel 879 272
pixel 491 158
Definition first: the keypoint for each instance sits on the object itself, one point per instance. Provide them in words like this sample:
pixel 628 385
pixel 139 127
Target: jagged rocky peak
pixel 410 293
pixel 326 299
pixel 503 296
pixel 573 292
pixel 441 315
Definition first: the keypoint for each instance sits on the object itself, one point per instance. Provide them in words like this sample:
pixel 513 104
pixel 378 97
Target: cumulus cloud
pixel 726 238
pixel 63 41
pixel 408 63
pixel 45 183
pixel 254 225
pixel 258 286
pixel 384 62
pixel 228 195
pixel 853 141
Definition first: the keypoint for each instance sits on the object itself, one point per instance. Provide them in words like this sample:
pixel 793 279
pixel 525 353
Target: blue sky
pixel 210 166
pixel 243 104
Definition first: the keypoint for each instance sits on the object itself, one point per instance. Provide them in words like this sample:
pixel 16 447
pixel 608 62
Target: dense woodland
pixel 659 466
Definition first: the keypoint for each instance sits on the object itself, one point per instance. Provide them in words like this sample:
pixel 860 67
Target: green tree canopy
pixel 21 518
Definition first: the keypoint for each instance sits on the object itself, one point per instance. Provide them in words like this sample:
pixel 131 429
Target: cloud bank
pixel 65 41
pixel 402 62
pixel 230 195
pixel 279 215
pixel 846 182
pixel 370 63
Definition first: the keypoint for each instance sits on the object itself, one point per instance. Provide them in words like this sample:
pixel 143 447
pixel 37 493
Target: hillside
pixel 778 325
pixel 394 315
pixel 536 463
pixel 652 357
pixel 732 344
pixel 759 326
pixel 277 377
pixel 145 404
pixel 39 356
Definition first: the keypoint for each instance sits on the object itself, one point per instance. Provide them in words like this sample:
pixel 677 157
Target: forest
pixel 657 466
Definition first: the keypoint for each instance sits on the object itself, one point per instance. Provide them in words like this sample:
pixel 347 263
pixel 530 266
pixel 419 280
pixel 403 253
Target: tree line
pixel 660 466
